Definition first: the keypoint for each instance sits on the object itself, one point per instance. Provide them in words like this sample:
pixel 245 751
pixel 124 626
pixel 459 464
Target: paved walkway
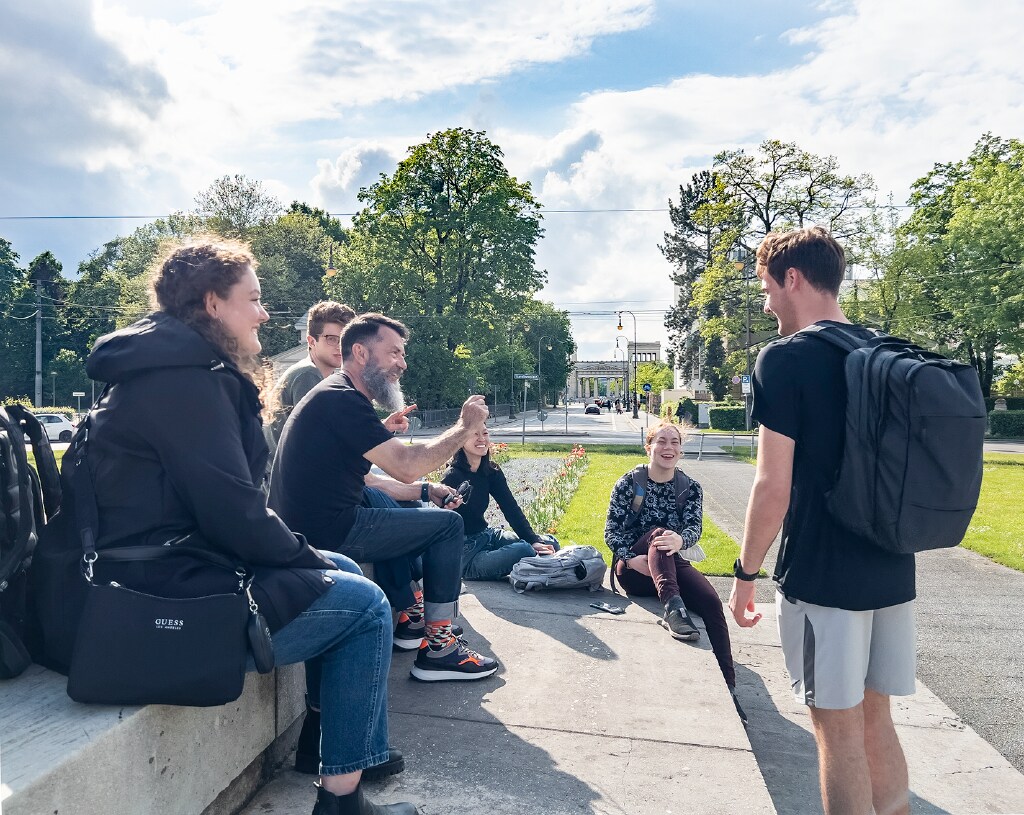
pixel 593 713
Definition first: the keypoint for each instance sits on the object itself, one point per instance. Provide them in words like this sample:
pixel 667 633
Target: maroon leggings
pixel 672 577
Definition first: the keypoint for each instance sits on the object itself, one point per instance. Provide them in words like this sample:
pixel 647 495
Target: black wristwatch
pixel 739 574
pixel 424 492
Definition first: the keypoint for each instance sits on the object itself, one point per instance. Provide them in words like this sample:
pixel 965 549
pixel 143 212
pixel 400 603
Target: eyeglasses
pixel 331 339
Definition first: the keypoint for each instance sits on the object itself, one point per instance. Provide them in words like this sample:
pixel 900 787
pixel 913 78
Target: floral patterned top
pixel 658 509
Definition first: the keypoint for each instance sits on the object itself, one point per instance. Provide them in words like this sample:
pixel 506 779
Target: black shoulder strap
pixel 682 484
pixel 87 515
pixel 46 463
pixel 840 335
pixel 15 497
pixel 640 477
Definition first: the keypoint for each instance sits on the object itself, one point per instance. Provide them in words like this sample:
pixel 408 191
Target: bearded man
pixel 327 448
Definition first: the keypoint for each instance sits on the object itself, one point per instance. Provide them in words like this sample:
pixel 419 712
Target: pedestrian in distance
pixel 176 446
pixel 646 542
pixel 845 610
pixel 490 553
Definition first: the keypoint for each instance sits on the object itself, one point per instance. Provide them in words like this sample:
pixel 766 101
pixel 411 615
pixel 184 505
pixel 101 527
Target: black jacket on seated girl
pixel 176 447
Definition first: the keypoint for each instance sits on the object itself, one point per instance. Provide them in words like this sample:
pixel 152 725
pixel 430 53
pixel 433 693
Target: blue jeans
pixel 491 554
pixel 431 533
pixel 344 638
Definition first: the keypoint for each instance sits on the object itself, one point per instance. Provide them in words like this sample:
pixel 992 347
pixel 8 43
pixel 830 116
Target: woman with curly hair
pixel 176 448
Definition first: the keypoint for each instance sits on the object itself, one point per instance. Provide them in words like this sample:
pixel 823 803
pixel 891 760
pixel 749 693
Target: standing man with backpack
pixel 844 603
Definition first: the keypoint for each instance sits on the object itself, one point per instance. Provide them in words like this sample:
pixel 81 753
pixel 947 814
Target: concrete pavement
pixel 593 713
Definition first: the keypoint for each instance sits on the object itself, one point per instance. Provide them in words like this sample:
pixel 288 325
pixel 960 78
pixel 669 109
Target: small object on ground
pixel 609 608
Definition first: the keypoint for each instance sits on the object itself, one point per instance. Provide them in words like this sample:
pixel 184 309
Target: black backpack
pixel 28 496
pixel 912 459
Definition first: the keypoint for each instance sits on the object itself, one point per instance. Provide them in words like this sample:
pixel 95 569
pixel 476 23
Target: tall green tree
pixel 17 325
pixel 706 222
pixel 447 244
pixel 964 251
pixel 234 205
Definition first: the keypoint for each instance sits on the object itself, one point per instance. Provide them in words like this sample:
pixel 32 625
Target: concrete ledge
pixel 58 756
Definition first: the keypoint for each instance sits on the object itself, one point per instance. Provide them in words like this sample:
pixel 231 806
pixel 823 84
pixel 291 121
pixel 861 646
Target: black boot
pixel 678 622
pixel 355 803
pixel 307 752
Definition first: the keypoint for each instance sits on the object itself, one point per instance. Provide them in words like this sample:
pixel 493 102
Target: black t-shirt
pixel 317 481
pixel 799 390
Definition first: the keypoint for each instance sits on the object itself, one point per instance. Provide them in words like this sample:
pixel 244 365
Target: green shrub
pixel 1012 403
pixel 67 411
pixel 727 418
pixel 1007 423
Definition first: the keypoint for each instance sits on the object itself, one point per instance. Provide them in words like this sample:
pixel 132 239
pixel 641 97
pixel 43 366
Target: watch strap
pixel 739 574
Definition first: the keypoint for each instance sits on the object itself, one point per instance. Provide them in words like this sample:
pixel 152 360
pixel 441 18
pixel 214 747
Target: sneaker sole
pixel 429 675
pixel 681 637
pixel 406 645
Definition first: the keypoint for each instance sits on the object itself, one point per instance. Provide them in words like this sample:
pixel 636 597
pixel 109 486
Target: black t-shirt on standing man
pixel 799 390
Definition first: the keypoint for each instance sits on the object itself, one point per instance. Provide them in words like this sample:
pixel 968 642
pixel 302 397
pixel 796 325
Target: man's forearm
pixel 425 457
pixel 766 511
pixel 398 490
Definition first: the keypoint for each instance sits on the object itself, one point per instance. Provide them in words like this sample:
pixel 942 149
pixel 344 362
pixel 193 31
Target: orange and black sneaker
pixel 452 661
pixel 410 631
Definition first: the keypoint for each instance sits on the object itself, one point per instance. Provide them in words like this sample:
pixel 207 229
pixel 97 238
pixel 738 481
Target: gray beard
pixel 383 391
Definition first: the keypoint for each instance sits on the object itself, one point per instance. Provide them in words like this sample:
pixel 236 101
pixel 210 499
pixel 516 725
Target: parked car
pixel 58 426
pixel 592 409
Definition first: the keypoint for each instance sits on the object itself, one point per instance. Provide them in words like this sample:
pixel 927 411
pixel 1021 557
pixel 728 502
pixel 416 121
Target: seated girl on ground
pixel 490 553
pixel 646 547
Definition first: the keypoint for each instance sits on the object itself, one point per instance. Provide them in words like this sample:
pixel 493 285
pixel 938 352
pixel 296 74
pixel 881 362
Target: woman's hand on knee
pixel 667 541
pixel 639 564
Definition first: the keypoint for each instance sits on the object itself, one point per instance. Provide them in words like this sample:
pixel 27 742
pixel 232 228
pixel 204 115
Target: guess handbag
pixel 134 648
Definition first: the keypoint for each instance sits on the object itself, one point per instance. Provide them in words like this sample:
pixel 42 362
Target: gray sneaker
pixel 679 625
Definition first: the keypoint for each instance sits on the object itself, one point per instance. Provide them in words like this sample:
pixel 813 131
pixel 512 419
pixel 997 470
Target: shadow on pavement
pixel 461 758
pixel 787 756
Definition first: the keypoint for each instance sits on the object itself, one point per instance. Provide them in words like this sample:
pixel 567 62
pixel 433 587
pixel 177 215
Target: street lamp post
pixel 625 365
pixel 53 392
pixel 540 381
pixel 636 413
pixel 739 259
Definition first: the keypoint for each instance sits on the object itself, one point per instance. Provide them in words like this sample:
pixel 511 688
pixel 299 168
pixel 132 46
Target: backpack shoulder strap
pixel 46 463
pixel 639 487
pixel 840 335
pixel 682 484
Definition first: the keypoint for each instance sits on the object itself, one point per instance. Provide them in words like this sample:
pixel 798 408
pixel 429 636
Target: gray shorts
pixel 833 654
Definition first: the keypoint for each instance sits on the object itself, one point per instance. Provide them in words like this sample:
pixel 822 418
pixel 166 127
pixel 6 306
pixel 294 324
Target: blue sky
pixel 115 108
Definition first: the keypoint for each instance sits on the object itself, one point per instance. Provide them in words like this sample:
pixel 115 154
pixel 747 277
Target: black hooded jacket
pixel 176 448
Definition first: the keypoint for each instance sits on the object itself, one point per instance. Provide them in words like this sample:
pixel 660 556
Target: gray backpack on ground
pixel 569 568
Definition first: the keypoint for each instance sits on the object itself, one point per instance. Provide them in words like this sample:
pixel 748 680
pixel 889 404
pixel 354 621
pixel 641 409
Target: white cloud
pixel 141 105
pixel 890 89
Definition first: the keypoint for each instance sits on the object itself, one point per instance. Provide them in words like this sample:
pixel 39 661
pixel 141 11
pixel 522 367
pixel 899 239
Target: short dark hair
pixel 364 329
pixel 812 250
pixel 328 311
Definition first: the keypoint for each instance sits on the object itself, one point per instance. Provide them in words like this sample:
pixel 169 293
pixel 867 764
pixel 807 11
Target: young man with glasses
pixel 324 324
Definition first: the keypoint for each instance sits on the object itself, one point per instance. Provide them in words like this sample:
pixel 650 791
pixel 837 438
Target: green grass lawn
pixel 997 529
pixel 57 454
pixel 583 521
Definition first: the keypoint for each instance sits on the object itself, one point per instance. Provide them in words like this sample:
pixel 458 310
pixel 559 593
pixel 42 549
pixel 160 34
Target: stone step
pixel 58 756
